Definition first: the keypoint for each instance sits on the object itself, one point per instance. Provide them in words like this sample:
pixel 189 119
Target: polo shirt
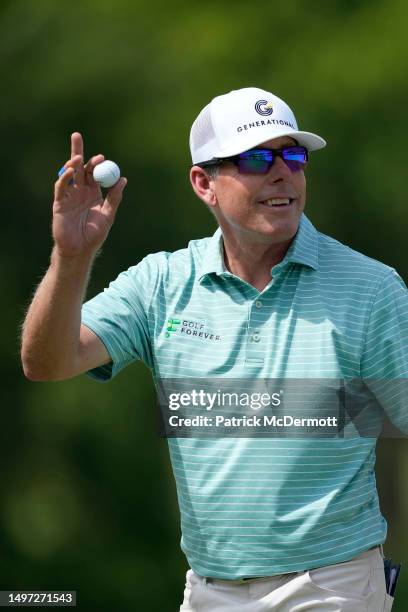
pixel 253 506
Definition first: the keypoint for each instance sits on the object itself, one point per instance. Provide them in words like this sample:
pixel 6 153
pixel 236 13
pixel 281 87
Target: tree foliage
pixel 88 500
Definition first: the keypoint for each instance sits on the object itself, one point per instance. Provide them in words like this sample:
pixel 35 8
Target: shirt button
pixel 256 338
pixel 258 304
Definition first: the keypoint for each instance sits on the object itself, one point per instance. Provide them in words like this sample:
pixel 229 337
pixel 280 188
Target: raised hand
pixel 82 218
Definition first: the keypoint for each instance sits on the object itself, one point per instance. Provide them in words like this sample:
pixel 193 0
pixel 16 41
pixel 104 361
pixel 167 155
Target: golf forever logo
pixel 177 326
pixel 172 325
pixel 263 107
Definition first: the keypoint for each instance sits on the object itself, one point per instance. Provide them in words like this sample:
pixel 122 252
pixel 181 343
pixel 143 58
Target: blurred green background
pixel 87 495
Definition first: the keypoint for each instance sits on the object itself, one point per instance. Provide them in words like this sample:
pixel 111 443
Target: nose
pixel 279 170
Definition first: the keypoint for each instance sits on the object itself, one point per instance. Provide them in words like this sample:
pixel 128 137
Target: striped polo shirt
pixel 254 506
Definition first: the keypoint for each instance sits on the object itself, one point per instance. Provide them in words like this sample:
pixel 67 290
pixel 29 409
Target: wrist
pixel 82 261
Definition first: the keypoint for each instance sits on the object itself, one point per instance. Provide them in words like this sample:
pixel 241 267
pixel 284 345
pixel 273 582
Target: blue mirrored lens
pixel 256 161
pixel 259 161
pixel 298 154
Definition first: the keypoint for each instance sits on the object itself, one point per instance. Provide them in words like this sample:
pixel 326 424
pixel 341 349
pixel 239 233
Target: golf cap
pixel 243 119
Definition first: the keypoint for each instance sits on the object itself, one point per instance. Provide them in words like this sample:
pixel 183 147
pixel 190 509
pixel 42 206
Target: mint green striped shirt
pixel 263 506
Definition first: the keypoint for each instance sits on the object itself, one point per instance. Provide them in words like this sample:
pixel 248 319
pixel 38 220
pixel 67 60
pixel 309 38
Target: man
pixel 268 523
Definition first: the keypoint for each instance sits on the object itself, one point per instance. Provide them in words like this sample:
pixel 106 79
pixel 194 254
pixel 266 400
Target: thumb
pixel 113 199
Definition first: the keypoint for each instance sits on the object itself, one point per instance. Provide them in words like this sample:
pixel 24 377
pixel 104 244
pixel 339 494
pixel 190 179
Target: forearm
pixel 51 330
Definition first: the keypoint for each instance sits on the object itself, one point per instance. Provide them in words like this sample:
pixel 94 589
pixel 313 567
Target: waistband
pixel 250 579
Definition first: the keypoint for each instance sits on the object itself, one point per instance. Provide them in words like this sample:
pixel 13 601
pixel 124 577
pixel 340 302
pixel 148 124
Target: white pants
pixel 357 585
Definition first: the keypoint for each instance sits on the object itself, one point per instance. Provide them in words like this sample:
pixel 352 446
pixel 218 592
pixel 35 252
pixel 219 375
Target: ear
pixel 203 185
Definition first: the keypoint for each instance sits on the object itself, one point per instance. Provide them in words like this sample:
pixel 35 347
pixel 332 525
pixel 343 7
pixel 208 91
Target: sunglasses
pixel 259 161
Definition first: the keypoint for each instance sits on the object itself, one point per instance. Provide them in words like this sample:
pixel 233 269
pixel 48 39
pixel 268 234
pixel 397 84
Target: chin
pixel 278 232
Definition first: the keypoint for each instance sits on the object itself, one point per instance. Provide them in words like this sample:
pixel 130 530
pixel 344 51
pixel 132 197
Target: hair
pixel 212 171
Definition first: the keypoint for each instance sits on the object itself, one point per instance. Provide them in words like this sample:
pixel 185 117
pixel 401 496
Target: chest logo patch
pixel 190 327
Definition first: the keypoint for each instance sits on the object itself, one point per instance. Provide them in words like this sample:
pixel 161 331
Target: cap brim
pixel 312 142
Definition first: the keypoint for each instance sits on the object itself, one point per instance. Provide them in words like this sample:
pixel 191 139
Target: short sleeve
pixel 119 317
pixel 384 365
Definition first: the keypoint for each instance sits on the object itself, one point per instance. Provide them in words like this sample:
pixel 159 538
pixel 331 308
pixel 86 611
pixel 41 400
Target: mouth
pixel 277 202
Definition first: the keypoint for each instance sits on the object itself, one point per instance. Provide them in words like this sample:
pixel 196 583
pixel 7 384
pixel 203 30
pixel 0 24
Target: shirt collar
pixel 213 259
pixel 303 250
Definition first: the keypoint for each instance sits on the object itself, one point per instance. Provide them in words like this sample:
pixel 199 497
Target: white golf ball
pixel 107 173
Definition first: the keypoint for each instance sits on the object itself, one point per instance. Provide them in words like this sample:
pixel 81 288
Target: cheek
pixel 234 195
pixel 300 185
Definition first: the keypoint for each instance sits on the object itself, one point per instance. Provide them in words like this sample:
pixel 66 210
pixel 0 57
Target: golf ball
pixel 106 173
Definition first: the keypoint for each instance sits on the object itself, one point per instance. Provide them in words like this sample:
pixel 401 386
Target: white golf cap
pixel 243 119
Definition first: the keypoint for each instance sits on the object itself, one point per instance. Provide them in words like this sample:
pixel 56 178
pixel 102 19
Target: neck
pixel 253 261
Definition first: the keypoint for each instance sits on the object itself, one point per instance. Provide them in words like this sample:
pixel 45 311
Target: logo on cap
pixel 267 107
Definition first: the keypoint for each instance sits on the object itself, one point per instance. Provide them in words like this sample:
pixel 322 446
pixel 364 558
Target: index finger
pixel 77 145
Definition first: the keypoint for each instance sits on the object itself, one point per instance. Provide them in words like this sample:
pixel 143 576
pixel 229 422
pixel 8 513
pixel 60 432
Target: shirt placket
pixel 258 318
